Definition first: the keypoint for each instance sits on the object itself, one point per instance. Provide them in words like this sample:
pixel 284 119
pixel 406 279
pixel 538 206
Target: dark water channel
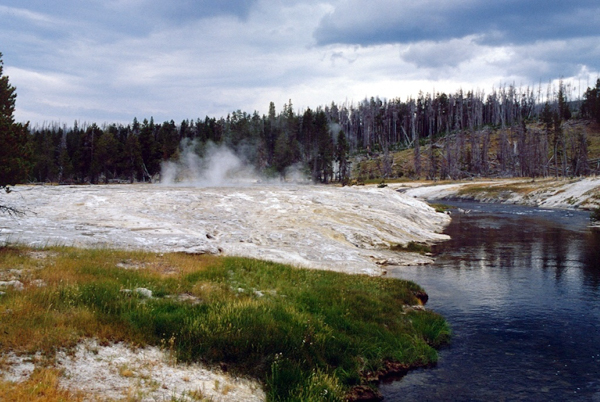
pixel 521 288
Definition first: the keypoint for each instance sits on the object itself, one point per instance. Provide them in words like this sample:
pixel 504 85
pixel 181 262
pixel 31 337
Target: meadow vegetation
pixel 304 334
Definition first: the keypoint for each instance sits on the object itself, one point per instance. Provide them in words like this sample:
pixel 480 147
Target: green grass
pixel 440 207
pixel 306 335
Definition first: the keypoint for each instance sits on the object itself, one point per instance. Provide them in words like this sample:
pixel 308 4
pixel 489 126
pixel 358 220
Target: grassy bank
pixel 306 335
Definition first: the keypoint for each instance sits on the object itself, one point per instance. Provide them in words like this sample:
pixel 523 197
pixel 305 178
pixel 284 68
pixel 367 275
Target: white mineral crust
pixel 545 193
pixel 345 229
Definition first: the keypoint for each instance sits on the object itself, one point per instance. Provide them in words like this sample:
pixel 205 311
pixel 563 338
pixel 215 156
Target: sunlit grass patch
pixel 498 190
pixel 300 332
pixel 42 386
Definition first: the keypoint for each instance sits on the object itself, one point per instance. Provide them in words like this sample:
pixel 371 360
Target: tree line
pixel 450 136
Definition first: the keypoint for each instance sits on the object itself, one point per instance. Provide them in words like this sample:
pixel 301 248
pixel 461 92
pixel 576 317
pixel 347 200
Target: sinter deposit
pixel 346 229
pixel 581 193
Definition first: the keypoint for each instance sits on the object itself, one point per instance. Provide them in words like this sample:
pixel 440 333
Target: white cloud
pixel 22 13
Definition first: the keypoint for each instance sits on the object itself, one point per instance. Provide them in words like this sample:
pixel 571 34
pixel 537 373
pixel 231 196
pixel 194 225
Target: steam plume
pixel 218 167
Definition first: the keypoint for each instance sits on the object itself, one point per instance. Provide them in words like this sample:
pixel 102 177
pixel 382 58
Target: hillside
pixel 461 155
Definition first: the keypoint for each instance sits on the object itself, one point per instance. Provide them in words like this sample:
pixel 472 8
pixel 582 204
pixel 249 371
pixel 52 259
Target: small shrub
pixel 595 215
pixel 440 207
pixel 412 247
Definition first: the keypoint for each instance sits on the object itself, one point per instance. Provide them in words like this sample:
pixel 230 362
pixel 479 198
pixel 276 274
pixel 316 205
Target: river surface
pixel 521 289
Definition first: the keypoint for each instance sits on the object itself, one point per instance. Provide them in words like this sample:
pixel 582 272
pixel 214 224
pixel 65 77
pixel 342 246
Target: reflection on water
pixel 521 289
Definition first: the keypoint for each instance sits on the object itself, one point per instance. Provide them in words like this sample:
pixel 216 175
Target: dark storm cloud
pixel 492 22
pixel 198 9
pixel 556 59
pixel 130 17
pixel 106 60
pixel 178 9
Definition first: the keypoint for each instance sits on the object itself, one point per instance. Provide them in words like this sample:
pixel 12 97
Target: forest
pixel 509 132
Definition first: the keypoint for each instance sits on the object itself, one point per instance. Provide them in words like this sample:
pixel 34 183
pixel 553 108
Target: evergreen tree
pixel 107 155
pixel 15 152
pixel 563 106
pixel 591 103
pixel 283 155
pixel 342 157
pixel 15 155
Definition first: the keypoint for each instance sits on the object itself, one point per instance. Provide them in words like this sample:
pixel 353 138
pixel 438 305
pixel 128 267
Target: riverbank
pixel 101 324
pixel 579 193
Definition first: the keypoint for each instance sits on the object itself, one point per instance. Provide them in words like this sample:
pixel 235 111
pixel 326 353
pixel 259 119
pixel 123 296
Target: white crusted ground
pixel 344 229
pixel 119 372
pixel 549 193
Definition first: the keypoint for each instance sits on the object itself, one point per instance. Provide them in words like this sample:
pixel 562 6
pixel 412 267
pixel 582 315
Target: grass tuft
pixel 42 386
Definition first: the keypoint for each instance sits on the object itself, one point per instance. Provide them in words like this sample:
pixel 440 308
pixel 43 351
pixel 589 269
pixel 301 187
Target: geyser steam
pixel 218 167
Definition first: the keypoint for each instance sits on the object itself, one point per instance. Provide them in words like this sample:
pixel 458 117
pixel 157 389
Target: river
pixel 521 289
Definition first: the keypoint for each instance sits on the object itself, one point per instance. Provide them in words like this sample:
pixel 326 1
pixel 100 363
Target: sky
pixel 108 61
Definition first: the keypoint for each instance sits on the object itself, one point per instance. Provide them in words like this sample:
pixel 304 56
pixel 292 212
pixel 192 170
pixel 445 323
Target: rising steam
pixel 219 166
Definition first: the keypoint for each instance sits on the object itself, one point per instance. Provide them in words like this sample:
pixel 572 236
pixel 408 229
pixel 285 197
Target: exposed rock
pixel 40 283
pixel 130 265
pixel 416 307
pixel 16 285
pixel 11 274
pixel 147 293
pixel 188 298
pixel 42 254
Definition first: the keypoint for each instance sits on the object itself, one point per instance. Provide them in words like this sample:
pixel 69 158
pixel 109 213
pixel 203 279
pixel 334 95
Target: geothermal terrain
pixel 576 193
pixel 346 229
pixel 324 227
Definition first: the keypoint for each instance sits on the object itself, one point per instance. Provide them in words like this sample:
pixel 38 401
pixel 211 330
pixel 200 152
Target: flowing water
pixel 521 289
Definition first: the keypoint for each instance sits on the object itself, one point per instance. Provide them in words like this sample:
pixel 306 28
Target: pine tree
pixel 15 153
pixel 14 150
pixel 341 157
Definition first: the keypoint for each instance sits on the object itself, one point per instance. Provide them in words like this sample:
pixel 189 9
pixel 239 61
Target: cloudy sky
pixel 112 60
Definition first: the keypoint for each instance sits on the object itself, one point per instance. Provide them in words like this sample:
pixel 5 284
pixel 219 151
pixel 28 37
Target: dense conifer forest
pixel 508 132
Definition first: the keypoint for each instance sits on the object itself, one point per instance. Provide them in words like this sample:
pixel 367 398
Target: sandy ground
pixel 547 193
pixel 323 227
